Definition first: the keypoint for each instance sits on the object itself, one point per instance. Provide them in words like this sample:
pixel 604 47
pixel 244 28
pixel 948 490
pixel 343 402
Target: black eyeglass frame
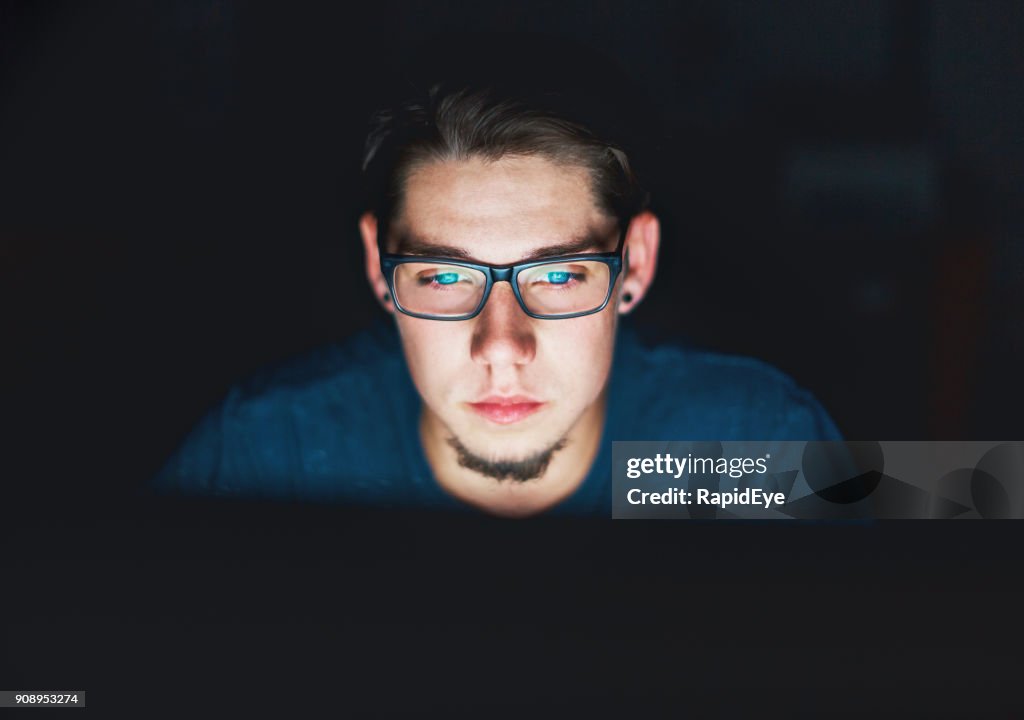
pixel 509 274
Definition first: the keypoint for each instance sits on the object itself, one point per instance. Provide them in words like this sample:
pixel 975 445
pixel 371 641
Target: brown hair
pixel 458 121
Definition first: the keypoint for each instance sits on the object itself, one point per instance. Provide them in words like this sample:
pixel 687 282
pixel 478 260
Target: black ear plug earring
pixel 627 297
pixel 386 297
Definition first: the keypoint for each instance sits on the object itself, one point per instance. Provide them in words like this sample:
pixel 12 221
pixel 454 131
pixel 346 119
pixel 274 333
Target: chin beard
pixel 518 470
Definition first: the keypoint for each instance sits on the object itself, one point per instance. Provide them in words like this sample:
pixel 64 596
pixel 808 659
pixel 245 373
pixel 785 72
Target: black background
pixel 841 194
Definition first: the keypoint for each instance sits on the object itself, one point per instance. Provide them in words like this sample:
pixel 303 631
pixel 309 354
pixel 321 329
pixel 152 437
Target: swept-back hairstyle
pixel 538 105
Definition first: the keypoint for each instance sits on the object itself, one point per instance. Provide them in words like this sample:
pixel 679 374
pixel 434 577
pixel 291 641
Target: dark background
pixel 841 194
pixel 840 188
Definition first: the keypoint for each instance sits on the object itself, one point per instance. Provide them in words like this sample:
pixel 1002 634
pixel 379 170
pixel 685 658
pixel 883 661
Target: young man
pixel 506 238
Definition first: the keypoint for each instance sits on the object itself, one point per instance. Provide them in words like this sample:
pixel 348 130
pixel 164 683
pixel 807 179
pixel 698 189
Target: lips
pixel 506 410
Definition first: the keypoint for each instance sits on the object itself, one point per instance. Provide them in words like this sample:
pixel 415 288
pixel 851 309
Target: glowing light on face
pixel 502 212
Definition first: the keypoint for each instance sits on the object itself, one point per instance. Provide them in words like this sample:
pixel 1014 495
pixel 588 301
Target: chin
pixel 507 446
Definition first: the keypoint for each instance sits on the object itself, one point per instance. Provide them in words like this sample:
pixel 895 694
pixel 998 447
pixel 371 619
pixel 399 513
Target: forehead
pixel 502 210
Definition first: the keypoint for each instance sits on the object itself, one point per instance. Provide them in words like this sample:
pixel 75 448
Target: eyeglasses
pixel 549 289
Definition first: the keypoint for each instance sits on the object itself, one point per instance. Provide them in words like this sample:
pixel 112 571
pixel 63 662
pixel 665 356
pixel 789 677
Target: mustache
pixel 520 470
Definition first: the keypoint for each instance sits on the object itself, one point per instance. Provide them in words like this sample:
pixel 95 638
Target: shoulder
pixel 340 381
pixel 372 355
pixel 722 395
pixel 291 422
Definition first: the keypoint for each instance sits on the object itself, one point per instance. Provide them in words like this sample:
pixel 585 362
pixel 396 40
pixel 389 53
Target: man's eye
pixel 558 277
pixel 441 278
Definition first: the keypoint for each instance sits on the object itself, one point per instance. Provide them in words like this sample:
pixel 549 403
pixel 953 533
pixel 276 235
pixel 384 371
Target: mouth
pixel 506 410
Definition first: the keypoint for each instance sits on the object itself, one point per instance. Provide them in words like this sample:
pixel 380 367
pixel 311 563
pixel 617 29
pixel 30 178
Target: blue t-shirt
pixel 341 424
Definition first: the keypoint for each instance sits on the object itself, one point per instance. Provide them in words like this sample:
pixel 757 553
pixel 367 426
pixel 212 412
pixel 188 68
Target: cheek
pixel 435 352
pixel 579 352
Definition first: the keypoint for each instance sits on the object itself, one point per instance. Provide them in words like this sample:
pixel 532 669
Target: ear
pixel 368 231
pixel 642 243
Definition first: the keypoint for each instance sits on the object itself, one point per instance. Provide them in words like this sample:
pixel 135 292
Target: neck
pixel 564 474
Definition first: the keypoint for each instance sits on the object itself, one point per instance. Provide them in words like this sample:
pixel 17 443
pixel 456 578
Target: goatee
pixel 500 469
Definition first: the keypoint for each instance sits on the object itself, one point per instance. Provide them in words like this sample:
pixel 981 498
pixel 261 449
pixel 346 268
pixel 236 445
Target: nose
pixel 503 336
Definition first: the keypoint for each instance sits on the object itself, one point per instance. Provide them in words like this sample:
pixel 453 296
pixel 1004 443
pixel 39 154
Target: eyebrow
pixel 410 244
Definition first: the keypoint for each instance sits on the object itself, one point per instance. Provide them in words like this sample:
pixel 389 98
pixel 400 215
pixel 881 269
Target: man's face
pixel 506 386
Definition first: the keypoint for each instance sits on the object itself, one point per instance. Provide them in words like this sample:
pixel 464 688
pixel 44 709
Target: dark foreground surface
pixel 176 607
